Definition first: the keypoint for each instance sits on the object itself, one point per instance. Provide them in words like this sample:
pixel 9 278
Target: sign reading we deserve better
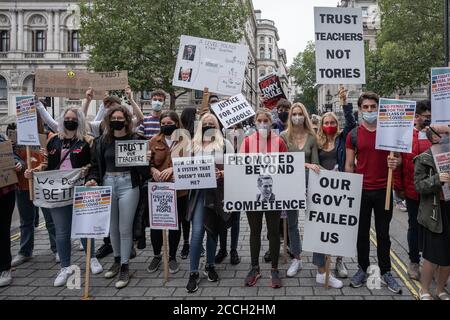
pixel 162 204
pixel 54 189
pixel 27 131
pixel 91 212
pixel 232 111
pixel 395 125
pixel 339 46
pixel 264 182
pixel 440 95
pixel 8 175
pixel 216 65
pixel 131 153
pixel 194 173
pixel 332 217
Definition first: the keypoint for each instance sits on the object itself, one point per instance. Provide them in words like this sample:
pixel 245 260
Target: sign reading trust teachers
pixel 264 182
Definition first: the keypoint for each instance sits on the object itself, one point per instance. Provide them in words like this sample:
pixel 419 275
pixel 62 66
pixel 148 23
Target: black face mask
pixel 71 125
pixel 426 123
pixel 205 129
pixel 168 129
pixel 283 116
pixel 117 125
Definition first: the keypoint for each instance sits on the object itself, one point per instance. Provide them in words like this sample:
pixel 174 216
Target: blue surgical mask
pixel 370 117
pixel 156 105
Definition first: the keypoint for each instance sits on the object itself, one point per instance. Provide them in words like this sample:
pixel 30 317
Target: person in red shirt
pixel 363 158
pixel 404 185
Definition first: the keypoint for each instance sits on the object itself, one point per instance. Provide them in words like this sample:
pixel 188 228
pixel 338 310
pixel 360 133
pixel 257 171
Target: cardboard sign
pixel 8 175
pixel 395 125
pixel 54 189
pixel 194 173
pixel 74 83
pixel 332 217
pixel 232 111
pixel 440 96
pixel 162 204
pixel 216 65
pixel 27 131
pixel 264 182
pixel 271 88
pixel 339 46
pixel 131 153
pixel 91 212
pixel 441 156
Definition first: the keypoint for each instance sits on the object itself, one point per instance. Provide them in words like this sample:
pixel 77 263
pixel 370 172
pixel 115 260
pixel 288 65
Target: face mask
pixel 71 125
pixel 426 123
pixel 263 128
pixel 283 116
pixel 156 105
pixel 370 117
pixel 205 129
pixel 298 120
pixel 117 125
pixel 168 129
pixel 331 130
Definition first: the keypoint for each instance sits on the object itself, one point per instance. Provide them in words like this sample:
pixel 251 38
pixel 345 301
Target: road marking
pixel 16 236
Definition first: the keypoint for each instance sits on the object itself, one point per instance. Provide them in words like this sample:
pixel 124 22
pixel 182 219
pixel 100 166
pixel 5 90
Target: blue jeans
pixel 124 202
pixel 319 260
pixel 62 218
pixel 295 244
pixel 198 232
pixel 28 213
pixel 235 224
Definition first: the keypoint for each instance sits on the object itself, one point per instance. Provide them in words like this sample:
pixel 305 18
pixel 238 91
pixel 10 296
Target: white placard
pixel 395 125
pixel 131 153
pixel 216 65
pixel 332 217
pixel 232 111
pixel 264 182
pixel 194 173
pixel 27 131
pixel 441 156
pixel 339 46
pixel 440 95
pixel 91 213
pixel 162 204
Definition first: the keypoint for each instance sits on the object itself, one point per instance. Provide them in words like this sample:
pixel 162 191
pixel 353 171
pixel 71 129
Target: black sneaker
pixel 210 272
pixel 124 277
pixel 154 265
pixel 194 279
pixel 133 253
pixel 113 271
pixel 267 257
pixel 104 250
pixel 185 251
pixel 221 255
pixel 234 257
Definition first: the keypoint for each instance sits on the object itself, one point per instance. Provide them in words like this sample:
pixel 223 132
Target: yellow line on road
pixel 16 236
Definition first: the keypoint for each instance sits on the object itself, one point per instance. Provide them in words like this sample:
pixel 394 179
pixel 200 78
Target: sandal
pixel 425 296
pixel 443 296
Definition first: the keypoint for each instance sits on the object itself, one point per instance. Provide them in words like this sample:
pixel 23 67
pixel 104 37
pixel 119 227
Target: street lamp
pixel 328 105
pixel 251 67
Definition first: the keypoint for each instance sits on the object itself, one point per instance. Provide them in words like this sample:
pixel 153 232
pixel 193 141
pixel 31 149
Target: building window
pixel 270 40
pixel 198 94
pixel 262 72
pixel 262 53
pixel 261 39
pixel 39 42
pixel 4 41
pixel 74 41
pixel 145 95
pixel 270 53
pixel 3 89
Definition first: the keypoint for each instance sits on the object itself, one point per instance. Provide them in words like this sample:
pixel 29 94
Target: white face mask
pixel 156 105
pixel 298 120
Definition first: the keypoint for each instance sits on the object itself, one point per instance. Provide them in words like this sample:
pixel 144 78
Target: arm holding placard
pixel 88 99
pixel 46 117
pixel 136 110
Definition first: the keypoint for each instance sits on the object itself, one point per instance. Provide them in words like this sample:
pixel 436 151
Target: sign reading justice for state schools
pixel 232 111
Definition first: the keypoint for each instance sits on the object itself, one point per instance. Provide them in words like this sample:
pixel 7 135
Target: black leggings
pixel 8 202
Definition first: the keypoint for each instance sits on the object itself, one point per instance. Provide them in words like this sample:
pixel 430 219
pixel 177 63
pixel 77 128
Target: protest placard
pixel 272 90
pixel 91 212
pixel 8 175
pixel 395 125
pixel 332 216
pixel 264 182
pixel 339 46
pixel 27 131
pixel 54 189
pixel 441 156
pixel 194 173
pixel 216 65
pixel 131 153
pixel 440 95
pixel 74 83
pixel 232 111
pixel 162 203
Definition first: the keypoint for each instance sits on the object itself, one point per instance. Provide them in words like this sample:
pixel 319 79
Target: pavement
pixel 34 279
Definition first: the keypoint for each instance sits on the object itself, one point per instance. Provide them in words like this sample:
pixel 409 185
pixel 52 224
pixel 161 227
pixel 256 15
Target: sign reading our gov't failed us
pixel 264 182
pixel 131 153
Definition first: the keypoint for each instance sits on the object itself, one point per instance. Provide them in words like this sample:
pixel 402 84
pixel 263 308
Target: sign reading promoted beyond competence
pixel 232 111
pixel 194 173
pixel 131 153
pixel 339 46
pixel 162 203
pixel 332 216
pixel 264 182
pixel 395 125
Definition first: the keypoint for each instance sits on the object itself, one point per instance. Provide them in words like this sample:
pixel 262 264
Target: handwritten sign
pixel 232 111
pixel 131 153
pixel 8 175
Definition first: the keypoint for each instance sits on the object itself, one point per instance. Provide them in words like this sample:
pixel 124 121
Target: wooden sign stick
pixel 285 230
pixel 30 181
pixel 389 182
pixel 327 271
pixel 165 256
pixel 88 270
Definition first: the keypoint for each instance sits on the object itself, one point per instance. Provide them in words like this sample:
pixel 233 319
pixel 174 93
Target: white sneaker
pixel 296 265
pixel 61 278
pixel 332 281
pixel 57 259
pixel 96 267
pixel 5 278
pixel 18 260
pixel 341 270
pixel 80 246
